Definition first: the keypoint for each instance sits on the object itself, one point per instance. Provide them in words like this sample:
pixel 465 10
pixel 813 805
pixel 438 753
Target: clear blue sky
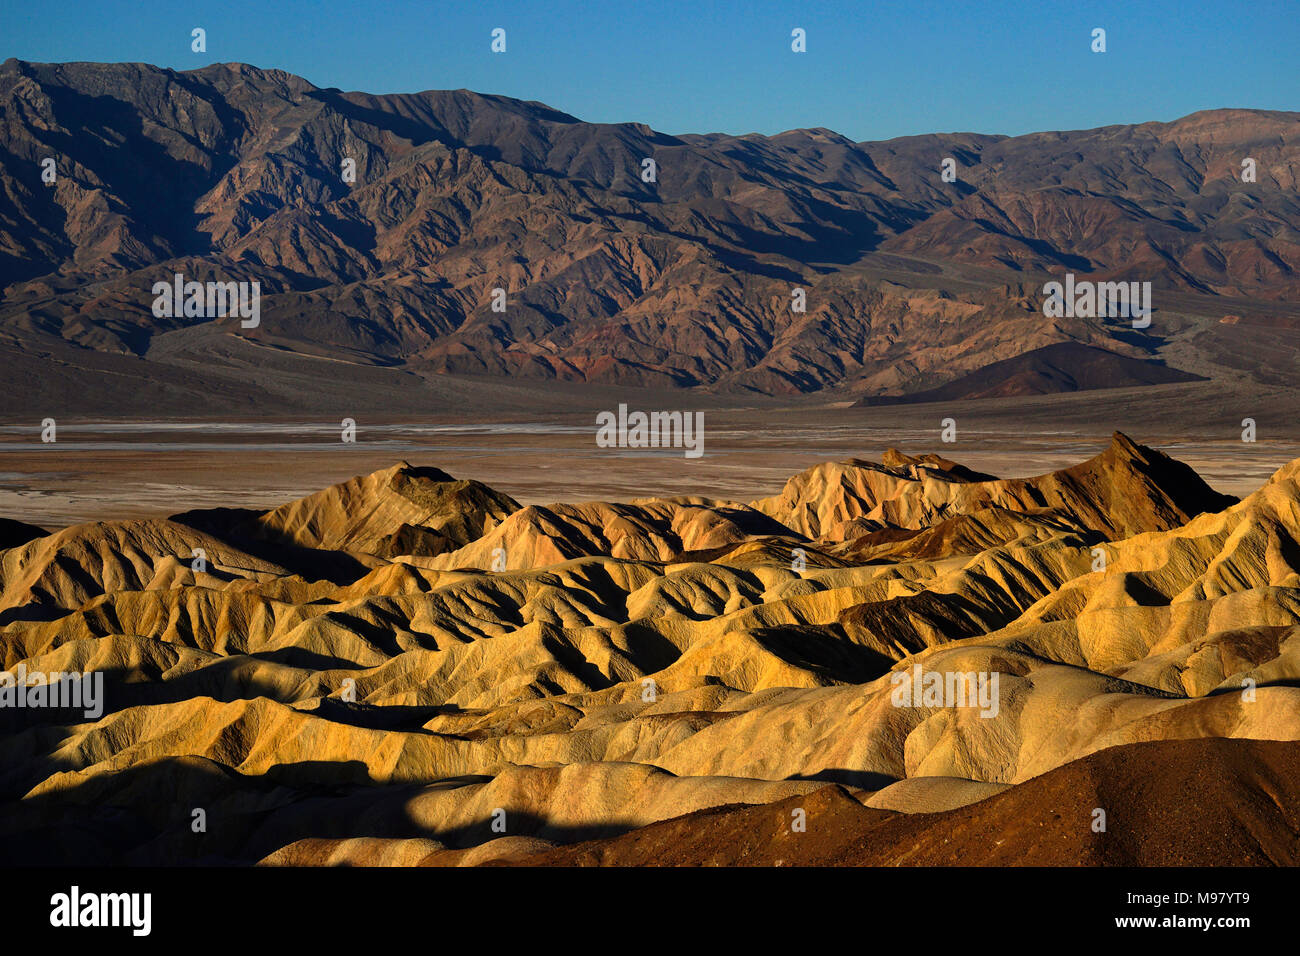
pixel 873 70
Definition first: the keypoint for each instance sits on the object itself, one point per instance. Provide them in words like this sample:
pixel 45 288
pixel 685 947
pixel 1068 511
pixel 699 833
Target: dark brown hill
pixel 1064 367
pixel 1244 810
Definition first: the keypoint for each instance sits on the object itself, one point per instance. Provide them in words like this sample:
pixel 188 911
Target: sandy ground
pixel 105 469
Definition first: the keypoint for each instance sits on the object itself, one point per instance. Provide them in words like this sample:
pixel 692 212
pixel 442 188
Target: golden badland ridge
pixel 409 668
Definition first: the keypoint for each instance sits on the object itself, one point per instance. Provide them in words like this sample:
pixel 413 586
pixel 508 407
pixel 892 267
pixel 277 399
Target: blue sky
pixel 873 70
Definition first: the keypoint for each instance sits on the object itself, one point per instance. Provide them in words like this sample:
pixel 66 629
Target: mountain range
pixel 914 286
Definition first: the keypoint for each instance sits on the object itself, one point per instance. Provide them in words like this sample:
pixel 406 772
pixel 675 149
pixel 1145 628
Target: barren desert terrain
pixel 948 571
pixel 414 667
